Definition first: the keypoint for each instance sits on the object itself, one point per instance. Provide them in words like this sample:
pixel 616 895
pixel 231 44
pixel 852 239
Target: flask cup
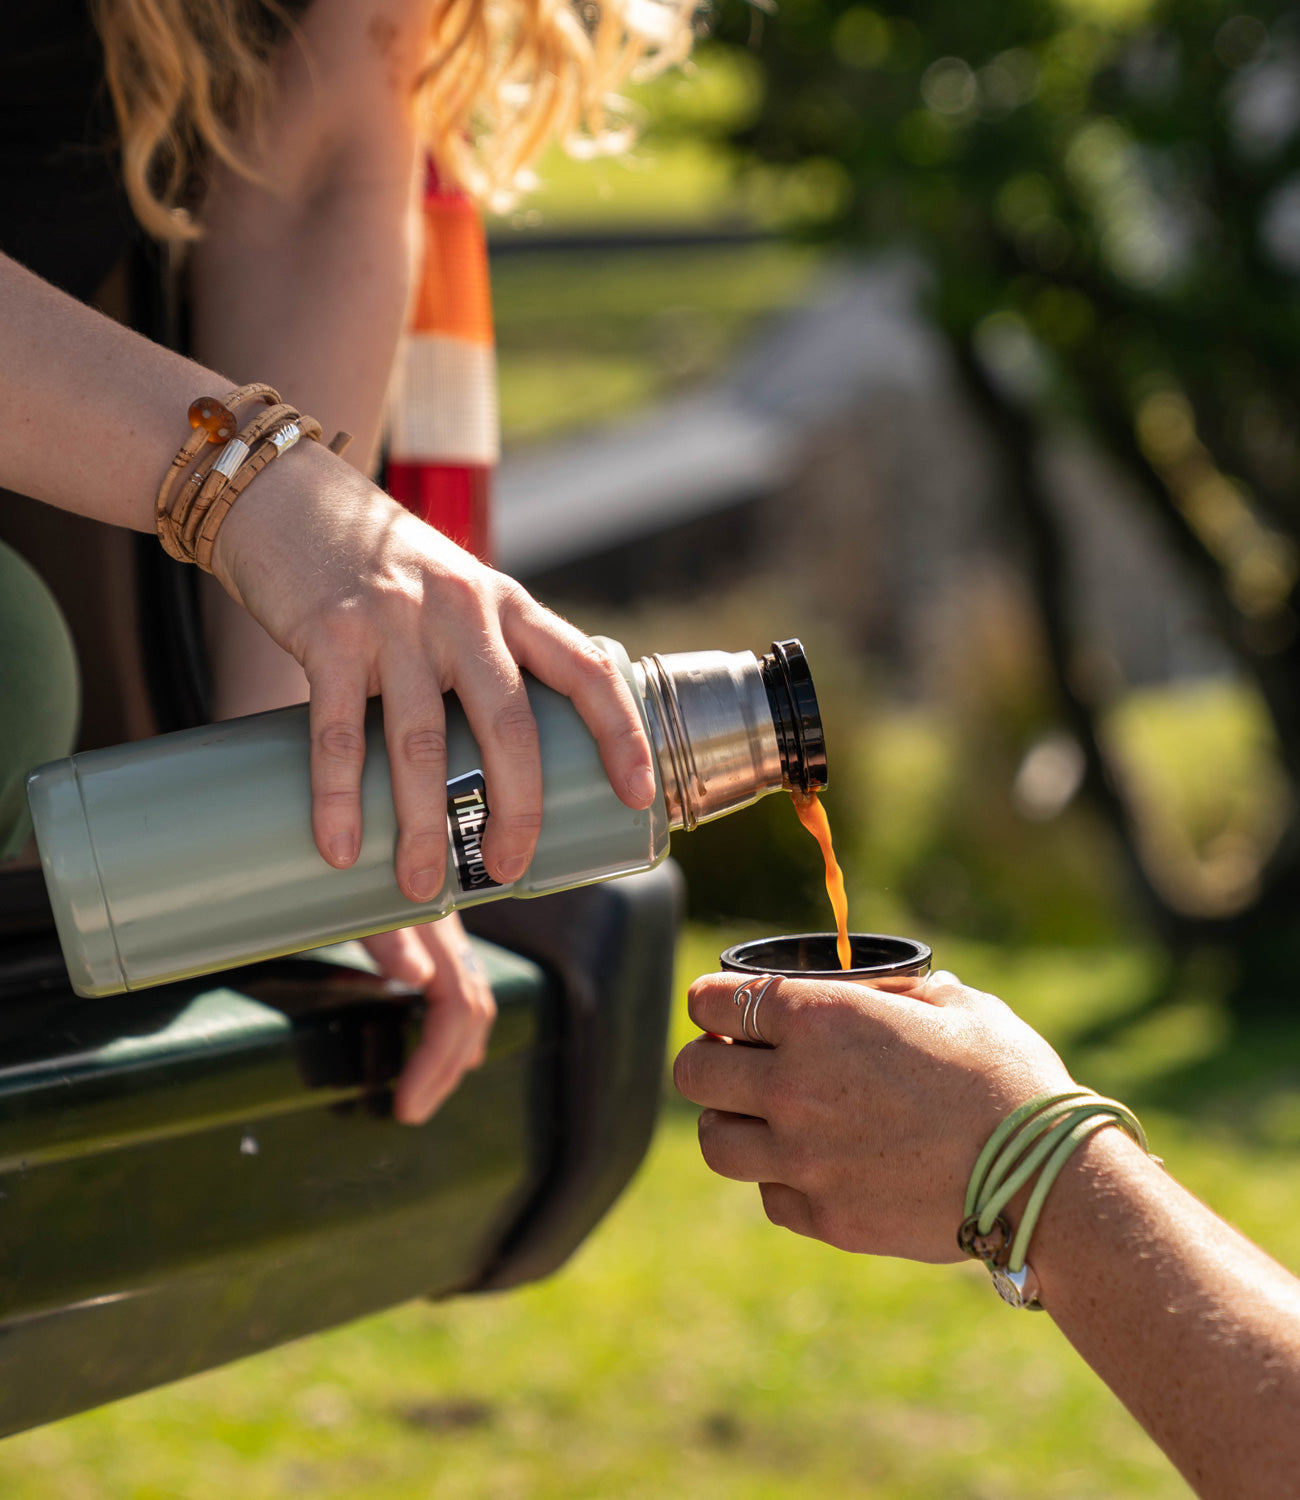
pixel 879 960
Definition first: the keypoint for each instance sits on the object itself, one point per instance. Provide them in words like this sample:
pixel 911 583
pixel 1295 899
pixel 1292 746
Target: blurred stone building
pixel 839 448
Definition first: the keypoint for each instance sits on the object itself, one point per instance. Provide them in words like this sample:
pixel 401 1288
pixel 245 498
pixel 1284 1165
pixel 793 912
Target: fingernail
pixel 641 785
pixel 510 870
pixel 425 884
pixel 343 849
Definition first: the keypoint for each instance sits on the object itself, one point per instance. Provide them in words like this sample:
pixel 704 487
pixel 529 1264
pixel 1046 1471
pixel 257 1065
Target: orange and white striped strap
pixel 443 421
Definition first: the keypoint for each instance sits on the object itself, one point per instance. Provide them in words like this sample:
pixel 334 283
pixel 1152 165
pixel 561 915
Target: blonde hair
pixel 188 80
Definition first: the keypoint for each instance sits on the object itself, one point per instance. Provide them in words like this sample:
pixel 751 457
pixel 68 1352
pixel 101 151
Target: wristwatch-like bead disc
pixel 1017 1288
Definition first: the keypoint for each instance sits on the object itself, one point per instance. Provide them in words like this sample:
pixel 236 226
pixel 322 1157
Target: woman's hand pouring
pixel 371 600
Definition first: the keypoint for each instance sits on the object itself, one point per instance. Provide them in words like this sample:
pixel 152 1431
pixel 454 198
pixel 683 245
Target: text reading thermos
pixel 193 852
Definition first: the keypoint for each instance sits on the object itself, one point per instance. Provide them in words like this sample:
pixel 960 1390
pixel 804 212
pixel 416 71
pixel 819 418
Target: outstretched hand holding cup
pixel 860 1114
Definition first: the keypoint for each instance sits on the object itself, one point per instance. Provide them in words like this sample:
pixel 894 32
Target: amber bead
pixel 217 421
pixel 989 1247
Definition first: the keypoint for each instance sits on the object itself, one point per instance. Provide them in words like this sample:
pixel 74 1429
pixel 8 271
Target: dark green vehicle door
pixel 197 1172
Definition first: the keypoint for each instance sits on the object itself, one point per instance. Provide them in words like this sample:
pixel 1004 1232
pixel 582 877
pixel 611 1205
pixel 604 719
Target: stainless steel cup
pixel 878 960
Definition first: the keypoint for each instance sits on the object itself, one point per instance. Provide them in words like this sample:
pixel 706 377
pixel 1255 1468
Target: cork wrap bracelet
pixel 213 421
pixel 189 511
pixel 221 471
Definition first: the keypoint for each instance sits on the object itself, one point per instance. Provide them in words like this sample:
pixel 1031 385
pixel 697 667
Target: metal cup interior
pixel 812 955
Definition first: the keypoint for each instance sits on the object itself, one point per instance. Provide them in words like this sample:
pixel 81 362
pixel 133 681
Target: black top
pixel 63 209
pixel 64 214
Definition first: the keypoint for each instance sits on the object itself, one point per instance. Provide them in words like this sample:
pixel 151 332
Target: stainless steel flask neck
pixel 727 728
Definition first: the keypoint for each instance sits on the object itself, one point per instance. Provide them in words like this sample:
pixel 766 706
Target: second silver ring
pixel 749 1021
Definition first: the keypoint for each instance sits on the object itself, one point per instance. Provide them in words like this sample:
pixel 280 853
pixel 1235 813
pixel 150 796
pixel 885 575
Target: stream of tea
pixel 813 817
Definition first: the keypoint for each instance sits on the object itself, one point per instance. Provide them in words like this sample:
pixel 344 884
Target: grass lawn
pixel 692 1350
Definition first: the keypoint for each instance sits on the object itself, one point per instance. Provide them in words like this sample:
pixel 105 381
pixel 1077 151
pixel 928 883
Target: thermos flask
pixel 192 852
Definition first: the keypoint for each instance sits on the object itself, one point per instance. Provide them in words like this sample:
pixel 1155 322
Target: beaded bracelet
pixel 229 461
pixel 214 422
pixel 259 448
pixel 1042 1134
pixel 188 515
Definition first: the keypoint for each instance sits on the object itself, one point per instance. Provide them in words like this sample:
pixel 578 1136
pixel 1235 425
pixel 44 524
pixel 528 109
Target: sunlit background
pixel 959 339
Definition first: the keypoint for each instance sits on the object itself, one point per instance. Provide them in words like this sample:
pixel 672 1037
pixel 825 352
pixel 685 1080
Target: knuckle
pixel 781 1097
pixel 515 727
pixel 337 801
pixel 711 1146
pixel 596 665
pixel 423 746
pixel 826 1222
pixel 512 596
pixel 460 592
pixel 422 841
pixel 525 823
pixel 703 994
pixel 815 1027
pixel 627 734
pixel 341 741
pixel 807 1024
pixel 481 1010
pixel 776 1205
pixel 344 631
pixel 684 1071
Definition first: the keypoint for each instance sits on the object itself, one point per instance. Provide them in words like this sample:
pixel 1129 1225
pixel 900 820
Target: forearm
pixel 310 297
pixel 92 412
pixel 1195 1329
pixel 304 277
pixel 305 271
pixel 313 299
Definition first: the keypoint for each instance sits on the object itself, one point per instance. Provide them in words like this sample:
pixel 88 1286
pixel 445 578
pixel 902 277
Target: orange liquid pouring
pixel 813 817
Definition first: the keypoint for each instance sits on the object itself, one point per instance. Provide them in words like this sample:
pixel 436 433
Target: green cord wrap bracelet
pixel 1040 1136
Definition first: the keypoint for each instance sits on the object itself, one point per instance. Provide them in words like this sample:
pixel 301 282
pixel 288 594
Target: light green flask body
pixel 192 852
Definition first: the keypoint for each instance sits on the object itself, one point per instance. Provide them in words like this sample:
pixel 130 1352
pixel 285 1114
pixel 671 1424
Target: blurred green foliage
pixel 1099 169
pixel 1109 194
pixel 1106 194
pixel 948 844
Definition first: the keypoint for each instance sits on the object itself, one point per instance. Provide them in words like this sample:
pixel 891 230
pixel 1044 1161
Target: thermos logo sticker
pixel 467 812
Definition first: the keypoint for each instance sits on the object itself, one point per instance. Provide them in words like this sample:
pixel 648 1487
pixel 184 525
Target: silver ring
pixel 744 995
pixel 750 995
pixel 751 1013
